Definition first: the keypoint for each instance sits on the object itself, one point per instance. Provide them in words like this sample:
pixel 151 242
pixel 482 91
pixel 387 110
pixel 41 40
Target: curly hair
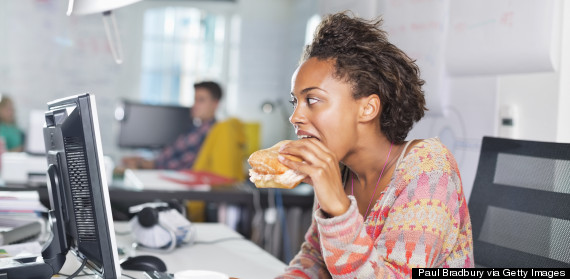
pixel 364 58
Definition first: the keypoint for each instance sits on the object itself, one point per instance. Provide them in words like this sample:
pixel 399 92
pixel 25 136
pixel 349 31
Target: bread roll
pixel 267 172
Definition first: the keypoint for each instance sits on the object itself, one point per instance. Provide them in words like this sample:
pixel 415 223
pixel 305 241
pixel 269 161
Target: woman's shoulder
pixel 429 154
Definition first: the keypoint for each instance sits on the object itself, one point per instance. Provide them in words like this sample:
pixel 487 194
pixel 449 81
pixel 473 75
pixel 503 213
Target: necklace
pixel 377 183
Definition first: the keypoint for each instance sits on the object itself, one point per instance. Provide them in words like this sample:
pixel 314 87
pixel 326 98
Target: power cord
pixel 80 269
pixel 257 220
pixel 219 240
pixel 122 233
pixel 281 213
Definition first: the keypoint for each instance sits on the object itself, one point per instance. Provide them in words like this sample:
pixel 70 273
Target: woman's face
pixel 324 106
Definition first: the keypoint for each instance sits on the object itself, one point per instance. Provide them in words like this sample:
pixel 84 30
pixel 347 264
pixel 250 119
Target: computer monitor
pixel 80 217
pixel 150 126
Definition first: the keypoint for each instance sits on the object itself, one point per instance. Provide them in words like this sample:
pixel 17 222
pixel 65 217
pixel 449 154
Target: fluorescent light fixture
pixel 85 7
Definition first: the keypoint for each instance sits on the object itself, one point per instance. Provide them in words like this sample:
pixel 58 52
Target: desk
pixel 243 194
pixel 239 257
pixel 122 197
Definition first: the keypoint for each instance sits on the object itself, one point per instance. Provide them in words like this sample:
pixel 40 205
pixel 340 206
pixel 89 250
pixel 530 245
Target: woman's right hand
pixel 322 169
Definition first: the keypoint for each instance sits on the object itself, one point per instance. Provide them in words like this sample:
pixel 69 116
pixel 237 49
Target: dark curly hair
pixel 364 58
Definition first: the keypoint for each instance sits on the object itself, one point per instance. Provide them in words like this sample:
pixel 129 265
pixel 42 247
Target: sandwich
pixel 267 172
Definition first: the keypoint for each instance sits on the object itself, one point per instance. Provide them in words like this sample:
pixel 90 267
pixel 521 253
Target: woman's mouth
pixel 306 137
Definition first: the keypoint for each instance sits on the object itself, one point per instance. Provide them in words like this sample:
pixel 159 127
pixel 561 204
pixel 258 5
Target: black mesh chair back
pixel 520 204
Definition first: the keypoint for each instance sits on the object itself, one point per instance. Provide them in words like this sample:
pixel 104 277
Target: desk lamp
pixel 84 7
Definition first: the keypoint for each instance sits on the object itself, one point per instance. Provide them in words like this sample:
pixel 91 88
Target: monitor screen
pixel 77 184
pixel 150 126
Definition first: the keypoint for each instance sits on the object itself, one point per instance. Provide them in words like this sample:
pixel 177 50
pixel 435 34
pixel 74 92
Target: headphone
pixel 148 215
pixel 161 225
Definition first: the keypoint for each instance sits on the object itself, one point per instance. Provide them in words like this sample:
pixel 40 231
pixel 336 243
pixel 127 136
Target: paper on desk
pixel 165 180
pixel 20 202
pixel 21 250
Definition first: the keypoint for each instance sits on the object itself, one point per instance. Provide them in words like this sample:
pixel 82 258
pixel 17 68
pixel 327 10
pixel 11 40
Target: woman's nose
pixel 297 117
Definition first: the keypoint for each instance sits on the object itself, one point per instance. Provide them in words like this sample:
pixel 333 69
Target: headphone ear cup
pixel 148 217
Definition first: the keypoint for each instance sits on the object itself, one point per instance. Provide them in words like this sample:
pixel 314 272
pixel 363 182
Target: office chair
pixel 520 204
pixel 223 150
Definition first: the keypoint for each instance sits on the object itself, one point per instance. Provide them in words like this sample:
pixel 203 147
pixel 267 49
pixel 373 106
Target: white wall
pixel 563 130
pixel 272 39
pixel 46 55
pixel 542 99
pixel 536 98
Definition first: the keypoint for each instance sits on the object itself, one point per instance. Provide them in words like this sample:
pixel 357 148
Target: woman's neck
pixel 369 158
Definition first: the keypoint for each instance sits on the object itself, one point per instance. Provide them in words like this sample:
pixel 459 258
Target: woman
pixel 390 205
pixel 9 132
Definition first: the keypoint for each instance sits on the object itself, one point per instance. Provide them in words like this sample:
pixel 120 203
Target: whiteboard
pixel 502 36
pixel 419 29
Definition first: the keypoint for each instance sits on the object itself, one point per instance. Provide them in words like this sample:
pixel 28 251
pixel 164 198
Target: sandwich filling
pixel 288 178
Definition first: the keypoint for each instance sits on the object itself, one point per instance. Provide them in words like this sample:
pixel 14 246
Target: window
pixel 181 45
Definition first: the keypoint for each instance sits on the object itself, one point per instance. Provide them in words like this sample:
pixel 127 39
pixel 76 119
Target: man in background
pixel 182 153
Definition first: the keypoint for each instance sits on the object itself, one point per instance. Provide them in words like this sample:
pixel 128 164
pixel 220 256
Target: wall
pixel 536 97
pixel 564 92
pixel 272 39
pixel 50 55
pixel 542 98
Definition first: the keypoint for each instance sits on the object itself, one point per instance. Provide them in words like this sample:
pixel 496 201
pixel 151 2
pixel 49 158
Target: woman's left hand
pixel 322 169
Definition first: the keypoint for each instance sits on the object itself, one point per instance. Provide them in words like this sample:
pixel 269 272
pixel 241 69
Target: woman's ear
pixel 370 108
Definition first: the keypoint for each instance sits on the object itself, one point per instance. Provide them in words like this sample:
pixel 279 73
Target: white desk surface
pixel 238 258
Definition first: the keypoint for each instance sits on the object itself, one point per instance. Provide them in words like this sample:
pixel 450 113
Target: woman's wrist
pixel 338 209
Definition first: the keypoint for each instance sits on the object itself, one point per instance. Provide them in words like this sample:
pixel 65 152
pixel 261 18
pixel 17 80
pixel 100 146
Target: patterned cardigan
pixel 422 220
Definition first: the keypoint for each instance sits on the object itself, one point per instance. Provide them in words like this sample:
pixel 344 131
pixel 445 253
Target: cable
pixel 82 275
pixel 257 220
pixel 80 269
pixel 270 218
pixel 281 213
pixel 122 233
pixel 219 240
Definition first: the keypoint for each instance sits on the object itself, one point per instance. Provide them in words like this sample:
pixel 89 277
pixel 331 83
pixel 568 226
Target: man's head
pixel 207 96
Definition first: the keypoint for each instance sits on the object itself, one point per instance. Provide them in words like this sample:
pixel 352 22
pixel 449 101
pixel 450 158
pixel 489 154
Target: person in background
pixel 13 137
pixel 182 153
pixel 384 205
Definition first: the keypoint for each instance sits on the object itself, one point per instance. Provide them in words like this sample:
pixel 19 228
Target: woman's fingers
pixel 319 164
pixel 301 167
pixel 312 151
pixel 322 170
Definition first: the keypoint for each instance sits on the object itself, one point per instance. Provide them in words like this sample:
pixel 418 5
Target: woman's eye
pixel 312 100
pixel 293 102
